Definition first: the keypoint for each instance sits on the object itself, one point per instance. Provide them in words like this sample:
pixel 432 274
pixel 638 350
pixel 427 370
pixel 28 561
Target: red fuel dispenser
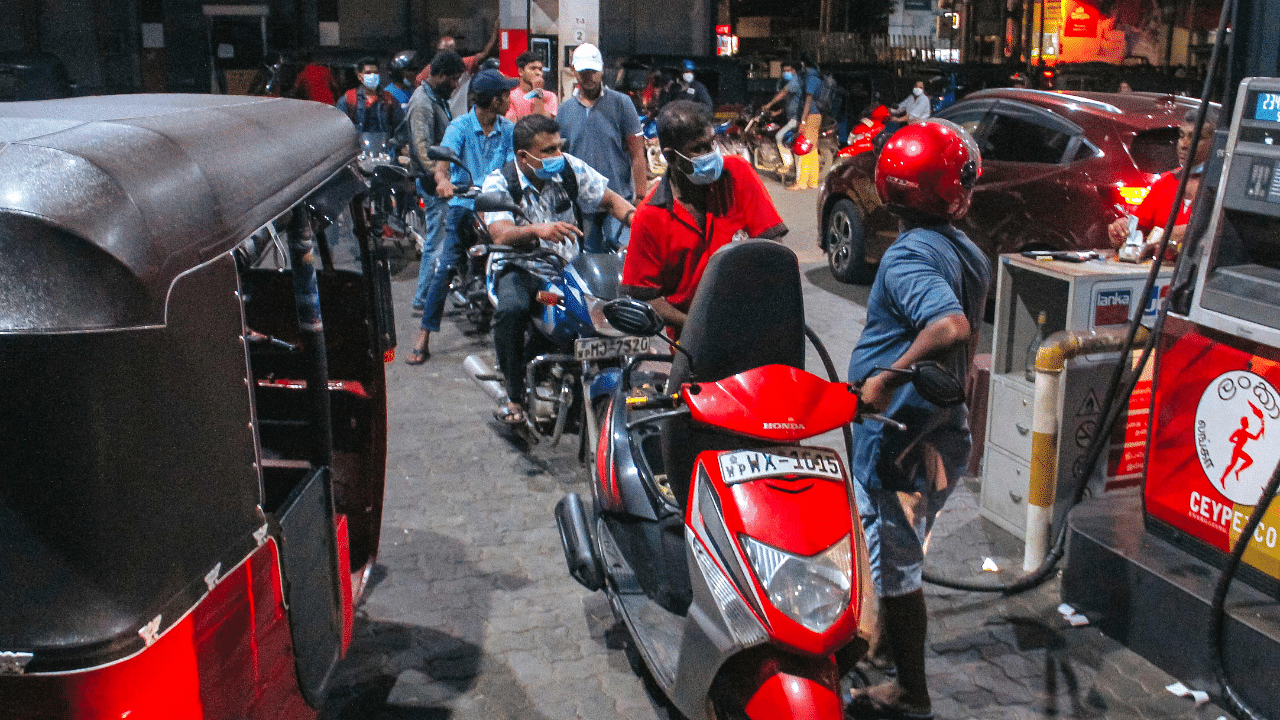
pixel 1143 568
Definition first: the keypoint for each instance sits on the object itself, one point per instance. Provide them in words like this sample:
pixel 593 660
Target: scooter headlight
pixel 814 591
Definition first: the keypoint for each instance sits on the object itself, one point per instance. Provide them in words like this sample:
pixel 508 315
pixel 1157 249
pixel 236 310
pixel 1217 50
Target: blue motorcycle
pixel 573 355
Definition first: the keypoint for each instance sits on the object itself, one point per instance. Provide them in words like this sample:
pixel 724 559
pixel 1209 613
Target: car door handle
pixel 1017 499
pixel 1022 429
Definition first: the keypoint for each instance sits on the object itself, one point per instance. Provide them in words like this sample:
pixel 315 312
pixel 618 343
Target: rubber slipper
pixel 509 416
pixel 862 706
pixel 416 357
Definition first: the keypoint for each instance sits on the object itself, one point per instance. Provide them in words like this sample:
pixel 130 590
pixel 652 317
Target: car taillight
pixel 1131 196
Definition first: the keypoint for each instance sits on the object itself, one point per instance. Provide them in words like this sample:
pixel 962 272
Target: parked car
pixel 33 76
pixel 1057 168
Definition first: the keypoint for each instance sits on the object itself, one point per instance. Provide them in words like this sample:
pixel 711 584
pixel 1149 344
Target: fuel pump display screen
pixel 1267 107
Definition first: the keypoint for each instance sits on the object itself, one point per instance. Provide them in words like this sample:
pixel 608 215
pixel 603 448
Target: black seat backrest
pixel 748 312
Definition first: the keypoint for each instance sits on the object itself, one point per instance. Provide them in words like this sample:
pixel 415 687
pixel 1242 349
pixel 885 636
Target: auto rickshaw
pixel 194 321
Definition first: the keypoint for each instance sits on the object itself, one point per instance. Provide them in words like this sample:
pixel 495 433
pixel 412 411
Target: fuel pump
pixel 1145 569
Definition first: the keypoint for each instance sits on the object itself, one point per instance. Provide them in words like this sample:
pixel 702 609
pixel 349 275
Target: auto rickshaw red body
pixel 193 326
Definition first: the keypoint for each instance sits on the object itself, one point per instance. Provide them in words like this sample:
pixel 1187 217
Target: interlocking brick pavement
pixel 473 615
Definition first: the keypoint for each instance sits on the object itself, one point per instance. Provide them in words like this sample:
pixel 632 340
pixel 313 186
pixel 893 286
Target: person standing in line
pixel 791 91
pixel 404 70
pixel 807 165
pixel 529 97
pixel 600 127
pixel 370 109
pixel 482 139
pixel 458 102
pixel 428 119
pixel 926 303
pixel 686 87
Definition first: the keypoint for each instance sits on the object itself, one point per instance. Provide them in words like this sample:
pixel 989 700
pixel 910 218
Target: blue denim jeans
pixel 433 228
pixel 446 260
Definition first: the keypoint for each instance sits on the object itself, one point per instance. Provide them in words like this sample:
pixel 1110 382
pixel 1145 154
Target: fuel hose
pixel 1122 380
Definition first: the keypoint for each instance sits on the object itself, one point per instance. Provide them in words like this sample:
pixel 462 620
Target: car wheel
pixel 846 249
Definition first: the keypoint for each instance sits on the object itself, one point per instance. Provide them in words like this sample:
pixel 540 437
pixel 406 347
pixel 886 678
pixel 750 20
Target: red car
pixel 1057 168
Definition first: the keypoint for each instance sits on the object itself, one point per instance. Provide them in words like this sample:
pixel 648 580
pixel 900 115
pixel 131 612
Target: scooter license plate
pixel 604 348
pixel 741 466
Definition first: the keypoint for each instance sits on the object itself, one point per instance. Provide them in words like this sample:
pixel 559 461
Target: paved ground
pixel 473 615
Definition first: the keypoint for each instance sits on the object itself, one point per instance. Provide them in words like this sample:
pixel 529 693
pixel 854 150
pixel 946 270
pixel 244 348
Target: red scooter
pixel 733 554
pixel 862 136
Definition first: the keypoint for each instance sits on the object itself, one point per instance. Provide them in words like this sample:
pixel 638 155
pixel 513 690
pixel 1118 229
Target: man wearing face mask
pixel 370 109
pixel 554 191
pixel 913 109
pixel 704 202
pixel 792 91
pixel 687 88
pixel 429 117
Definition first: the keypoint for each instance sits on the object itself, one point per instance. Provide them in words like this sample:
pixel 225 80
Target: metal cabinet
pixel 1069 296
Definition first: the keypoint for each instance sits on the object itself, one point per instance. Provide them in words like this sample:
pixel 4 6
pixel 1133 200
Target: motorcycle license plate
pixel 603 348
pixel 741 466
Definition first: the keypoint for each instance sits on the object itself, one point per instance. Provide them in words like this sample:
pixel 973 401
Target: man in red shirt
pixel 1154 210
pixel 704 202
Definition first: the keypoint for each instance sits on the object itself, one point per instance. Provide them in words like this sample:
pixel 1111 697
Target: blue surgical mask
pixel 371 80
pixel 551 167
pixel 788 75
pixel 706 168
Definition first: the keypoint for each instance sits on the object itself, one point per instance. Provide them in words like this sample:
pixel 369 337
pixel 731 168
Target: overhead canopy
pixel 137 189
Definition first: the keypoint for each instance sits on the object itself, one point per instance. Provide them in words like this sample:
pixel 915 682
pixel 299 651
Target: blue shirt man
pixel 600 127
pixel 482 140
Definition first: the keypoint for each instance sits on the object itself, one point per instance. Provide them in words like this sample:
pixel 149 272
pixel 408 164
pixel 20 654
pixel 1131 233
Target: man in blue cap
pixel 482 139
pixel 686 87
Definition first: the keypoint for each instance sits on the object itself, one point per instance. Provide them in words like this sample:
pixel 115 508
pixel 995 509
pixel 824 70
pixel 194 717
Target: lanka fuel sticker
pixel 1236 412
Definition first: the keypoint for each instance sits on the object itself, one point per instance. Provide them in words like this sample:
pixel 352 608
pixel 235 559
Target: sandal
pixel 862 706
pixel 416 357
pixel 509 415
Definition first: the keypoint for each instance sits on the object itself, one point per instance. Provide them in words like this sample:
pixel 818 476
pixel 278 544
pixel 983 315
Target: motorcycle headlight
pixel 595 308
pixel 814 591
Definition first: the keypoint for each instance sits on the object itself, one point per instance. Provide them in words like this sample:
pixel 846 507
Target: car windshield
pixel 1155 151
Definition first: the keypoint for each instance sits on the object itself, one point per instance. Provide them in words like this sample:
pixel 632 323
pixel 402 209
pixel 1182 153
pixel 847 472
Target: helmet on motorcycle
pixel 802 145
pixel 405 60
pixel 880 113
pixel 927 171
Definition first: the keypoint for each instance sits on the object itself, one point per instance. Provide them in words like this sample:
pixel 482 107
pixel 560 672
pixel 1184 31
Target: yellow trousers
pixel 807 166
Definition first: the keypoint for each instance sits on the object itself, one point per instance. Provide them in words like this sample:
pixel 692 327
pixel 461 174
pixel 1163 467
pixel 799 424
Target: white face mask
pixel 917 91
pixel 688 77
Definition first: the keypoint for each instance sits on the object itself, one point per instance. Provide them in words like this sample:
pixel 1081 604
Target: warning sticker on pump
pixel 744 465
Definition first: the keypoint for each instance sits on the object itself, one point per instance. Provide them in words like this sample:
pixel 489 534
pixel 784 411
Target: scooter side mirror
pixel 440 153
pixel 936 384
pixel 496 202
pixel 634 317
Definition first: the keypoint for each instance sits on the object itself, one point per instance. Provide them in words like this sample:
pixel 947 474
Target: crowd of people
pixel 576 168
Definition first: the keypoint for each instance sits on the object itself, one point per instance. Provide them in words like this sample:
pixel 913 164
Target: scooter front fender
pixel 795 696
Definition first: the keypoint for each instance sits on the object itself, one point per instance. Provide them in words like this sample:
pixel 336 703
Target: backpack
pixel 568 179
pixel 827 94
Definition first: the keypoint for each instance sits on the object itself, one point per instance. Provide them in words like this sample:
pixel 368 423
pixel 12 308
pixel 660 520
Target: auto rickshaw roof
pixel 159 183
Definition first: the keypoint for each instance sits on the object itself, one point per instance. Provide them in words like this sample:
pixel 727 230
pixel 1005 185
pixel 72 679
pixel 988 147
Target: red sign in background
pixel 1081 21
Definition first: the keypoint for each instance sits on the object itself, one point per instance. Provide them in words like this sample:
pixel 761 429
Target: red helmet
pixel 880 113
pixel 802 145
pixel 929 167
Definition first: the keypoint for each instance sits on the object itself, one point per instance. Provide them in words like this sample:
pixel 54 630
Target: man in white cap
pixel 600 127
